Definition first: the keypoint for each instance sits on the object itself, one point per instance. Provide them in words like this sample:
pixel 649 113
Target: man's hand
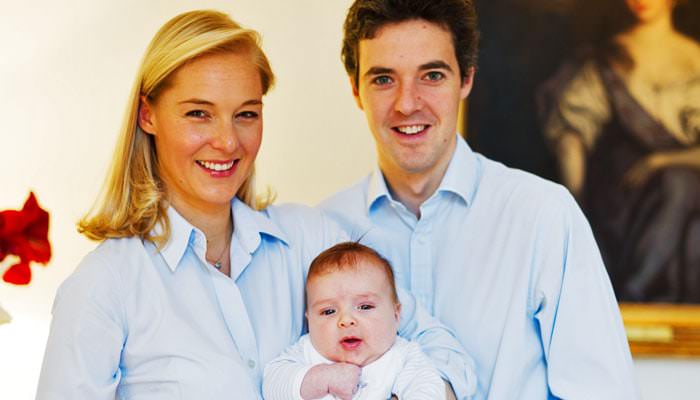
pixel 450 393
pixel 339 379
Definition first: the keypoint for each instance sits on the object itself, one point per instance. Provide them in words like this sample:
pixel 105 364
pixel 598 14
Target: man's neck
pixel 412 189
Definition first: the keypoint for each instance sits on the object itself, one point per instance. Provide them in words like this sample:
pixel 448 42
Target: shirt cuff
pixel 459 372
pixel 298 379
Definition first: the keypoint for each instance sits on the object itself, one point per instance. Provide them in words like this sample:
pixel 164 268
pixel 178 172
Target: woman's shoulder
pixel 686 56
pixel 102 274
pixel 304 222
pixel 111 258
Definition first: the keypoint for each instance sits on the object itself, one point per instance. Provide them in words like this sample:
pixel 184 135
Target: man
pixel 502 257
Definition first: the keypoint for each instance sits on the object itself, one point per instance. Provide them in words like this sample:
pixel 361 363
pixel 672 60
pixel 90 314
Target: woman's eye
pixel 328 311
pixel 365 307
pixel 382 80
pixel 247 115
pixel 434 76
pixel 197 114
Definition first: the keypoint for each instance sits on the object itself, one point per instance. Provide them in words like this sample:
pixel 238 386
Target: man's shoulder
pixel 352 199
pixel 518 189
pixel 348 207
pixel 302 223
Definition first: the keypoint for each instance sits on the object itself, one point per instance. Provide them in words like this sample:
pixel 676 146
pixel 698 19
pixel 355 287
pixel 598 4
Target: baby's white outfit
pixel 404 370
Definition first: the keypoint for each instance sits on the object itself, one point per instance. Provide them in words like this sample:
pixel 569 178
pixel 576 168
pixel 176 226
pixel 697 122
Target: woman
pixel 192 290
pixel 626 128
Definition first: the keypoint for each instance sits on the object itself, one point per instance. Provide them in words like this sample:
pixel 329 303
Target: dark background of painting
pixel 523 42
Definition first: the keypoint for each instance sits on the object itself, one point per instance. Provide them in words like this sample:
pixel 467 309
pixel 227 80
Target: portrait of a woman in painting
pixel 623 119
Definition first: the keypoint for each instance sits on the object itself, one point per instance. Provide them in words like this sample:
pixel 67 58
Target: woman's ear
pixel 145 117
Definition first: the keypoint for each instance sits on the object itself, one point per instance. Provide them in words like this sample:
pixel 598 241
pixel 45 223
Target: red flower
pixel 25 234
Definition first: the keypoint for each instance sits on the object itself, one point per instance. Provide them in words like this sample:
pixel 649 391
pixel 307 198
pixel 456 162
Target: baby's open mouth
pixel 350 342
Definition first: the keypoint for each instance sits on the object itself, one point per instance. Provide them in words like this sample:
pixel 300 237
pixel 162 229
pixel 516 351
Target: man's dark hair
pixel 366 17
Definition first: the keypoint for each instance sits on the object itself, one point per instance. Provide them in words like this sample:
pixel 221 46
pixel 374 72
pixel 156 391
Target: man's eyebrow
pixel 437 64
pixel 378 71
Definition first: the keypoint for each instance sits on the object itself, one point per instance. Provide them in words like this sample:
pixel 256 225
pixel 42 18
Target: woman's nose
pixel 225 138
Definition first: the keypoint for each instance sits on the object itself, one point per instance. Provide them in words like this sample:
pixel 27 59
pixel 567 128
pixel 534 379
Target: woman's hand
pixel 640 172
pixel 643 169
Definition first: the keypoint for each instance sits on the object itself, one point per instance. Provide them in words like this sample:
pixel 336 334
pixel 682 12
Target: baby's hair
pixel 347 255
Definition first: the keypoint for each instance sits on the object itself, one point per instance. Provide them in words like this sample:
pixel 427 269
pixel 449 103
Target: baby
pixel 352 350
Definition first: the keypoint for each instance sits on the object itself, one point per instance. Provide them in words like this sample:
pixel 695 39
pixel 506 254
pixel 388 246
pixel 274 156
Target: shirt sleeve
pixel 86 336
pixel 573 303
pixel 582 108
pixel 283 375
pixel 440 344
pixel 418 379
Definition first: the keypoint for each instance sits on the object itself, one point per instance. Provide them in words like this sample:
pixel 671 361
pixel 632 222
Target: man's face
pixel 409 87
pixel 352 315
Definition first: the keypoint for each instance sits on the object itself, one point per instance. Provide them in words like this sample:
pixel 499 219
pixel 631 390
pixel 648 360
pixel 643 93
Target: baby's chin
pixel 361 359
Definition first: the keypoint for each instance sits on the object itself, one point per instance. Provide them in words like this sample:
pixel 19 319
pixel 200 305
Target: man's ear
pixel 355 93
pixel 467 83
pixel 145 119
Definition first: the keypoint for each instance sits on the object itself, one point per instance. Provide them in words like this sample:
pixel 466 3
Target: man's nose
pixel 409 99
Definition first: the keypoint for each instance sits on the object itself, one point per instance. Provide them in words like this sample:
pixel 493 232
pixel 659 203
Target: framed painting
pixel 603 96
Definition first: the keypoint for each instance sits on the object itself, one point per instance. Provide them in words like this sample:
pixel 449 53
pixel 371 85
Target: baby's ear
pixel 397 312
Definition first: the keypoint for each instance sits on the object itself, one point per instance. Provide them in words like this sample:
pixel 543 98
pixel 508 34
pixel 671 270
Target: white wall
pixel 65 71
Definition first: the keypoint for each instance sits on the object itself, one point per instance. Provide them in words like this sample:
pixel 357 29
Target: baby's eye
pixel 434 76
pixel 197 114
pixel 365 307
pixel 382 80
pixel 328 311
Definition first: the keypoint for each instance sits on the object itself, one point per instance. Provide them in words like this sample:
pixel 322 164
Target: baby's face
pixel 352 316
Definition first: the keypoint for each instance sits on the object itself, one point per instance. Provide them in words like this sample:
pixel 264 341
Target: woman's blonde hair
pixel 133 201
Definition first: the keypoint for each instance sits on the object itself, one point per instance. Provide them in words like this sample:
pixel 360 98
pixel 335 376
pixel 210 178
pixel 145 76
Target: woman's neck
pixel 651 35
pixel 215 222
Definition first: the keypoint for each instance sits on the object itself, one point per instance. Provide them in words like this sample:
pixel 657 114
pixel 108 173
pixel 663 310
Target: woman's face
pixel 207 125
pixel 650 10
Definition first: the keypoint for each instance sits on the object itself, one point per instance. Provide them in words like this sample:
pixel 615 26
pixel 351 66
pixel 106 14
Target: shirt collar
pixel 460 177
pixel 181 233
pixel 249 226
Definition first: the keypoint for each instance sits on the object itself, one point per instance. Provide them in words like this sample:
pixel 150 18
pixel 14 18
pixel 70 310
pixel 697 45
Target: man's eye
pixel 365 307
pixel 382 80
pixel 328 311
pixel 434 76
pixel 197 114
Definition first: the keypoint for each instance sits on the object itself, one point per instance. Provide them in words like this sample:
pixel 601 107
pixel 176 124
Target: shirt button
pixel 251 364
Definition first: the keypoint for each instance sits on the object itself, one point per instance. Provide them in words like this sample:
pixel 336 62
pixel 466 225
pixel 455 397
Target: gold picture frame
pixel 662 330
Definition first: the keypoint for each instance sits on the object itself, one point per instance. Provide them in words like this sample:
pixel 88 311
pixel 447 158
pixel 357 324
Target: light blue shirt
pixel 508 261
pixel 133 322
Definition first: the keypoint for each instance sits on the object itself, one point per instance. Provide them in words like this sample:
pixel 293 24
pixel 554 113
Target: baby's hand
pixel 339 379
